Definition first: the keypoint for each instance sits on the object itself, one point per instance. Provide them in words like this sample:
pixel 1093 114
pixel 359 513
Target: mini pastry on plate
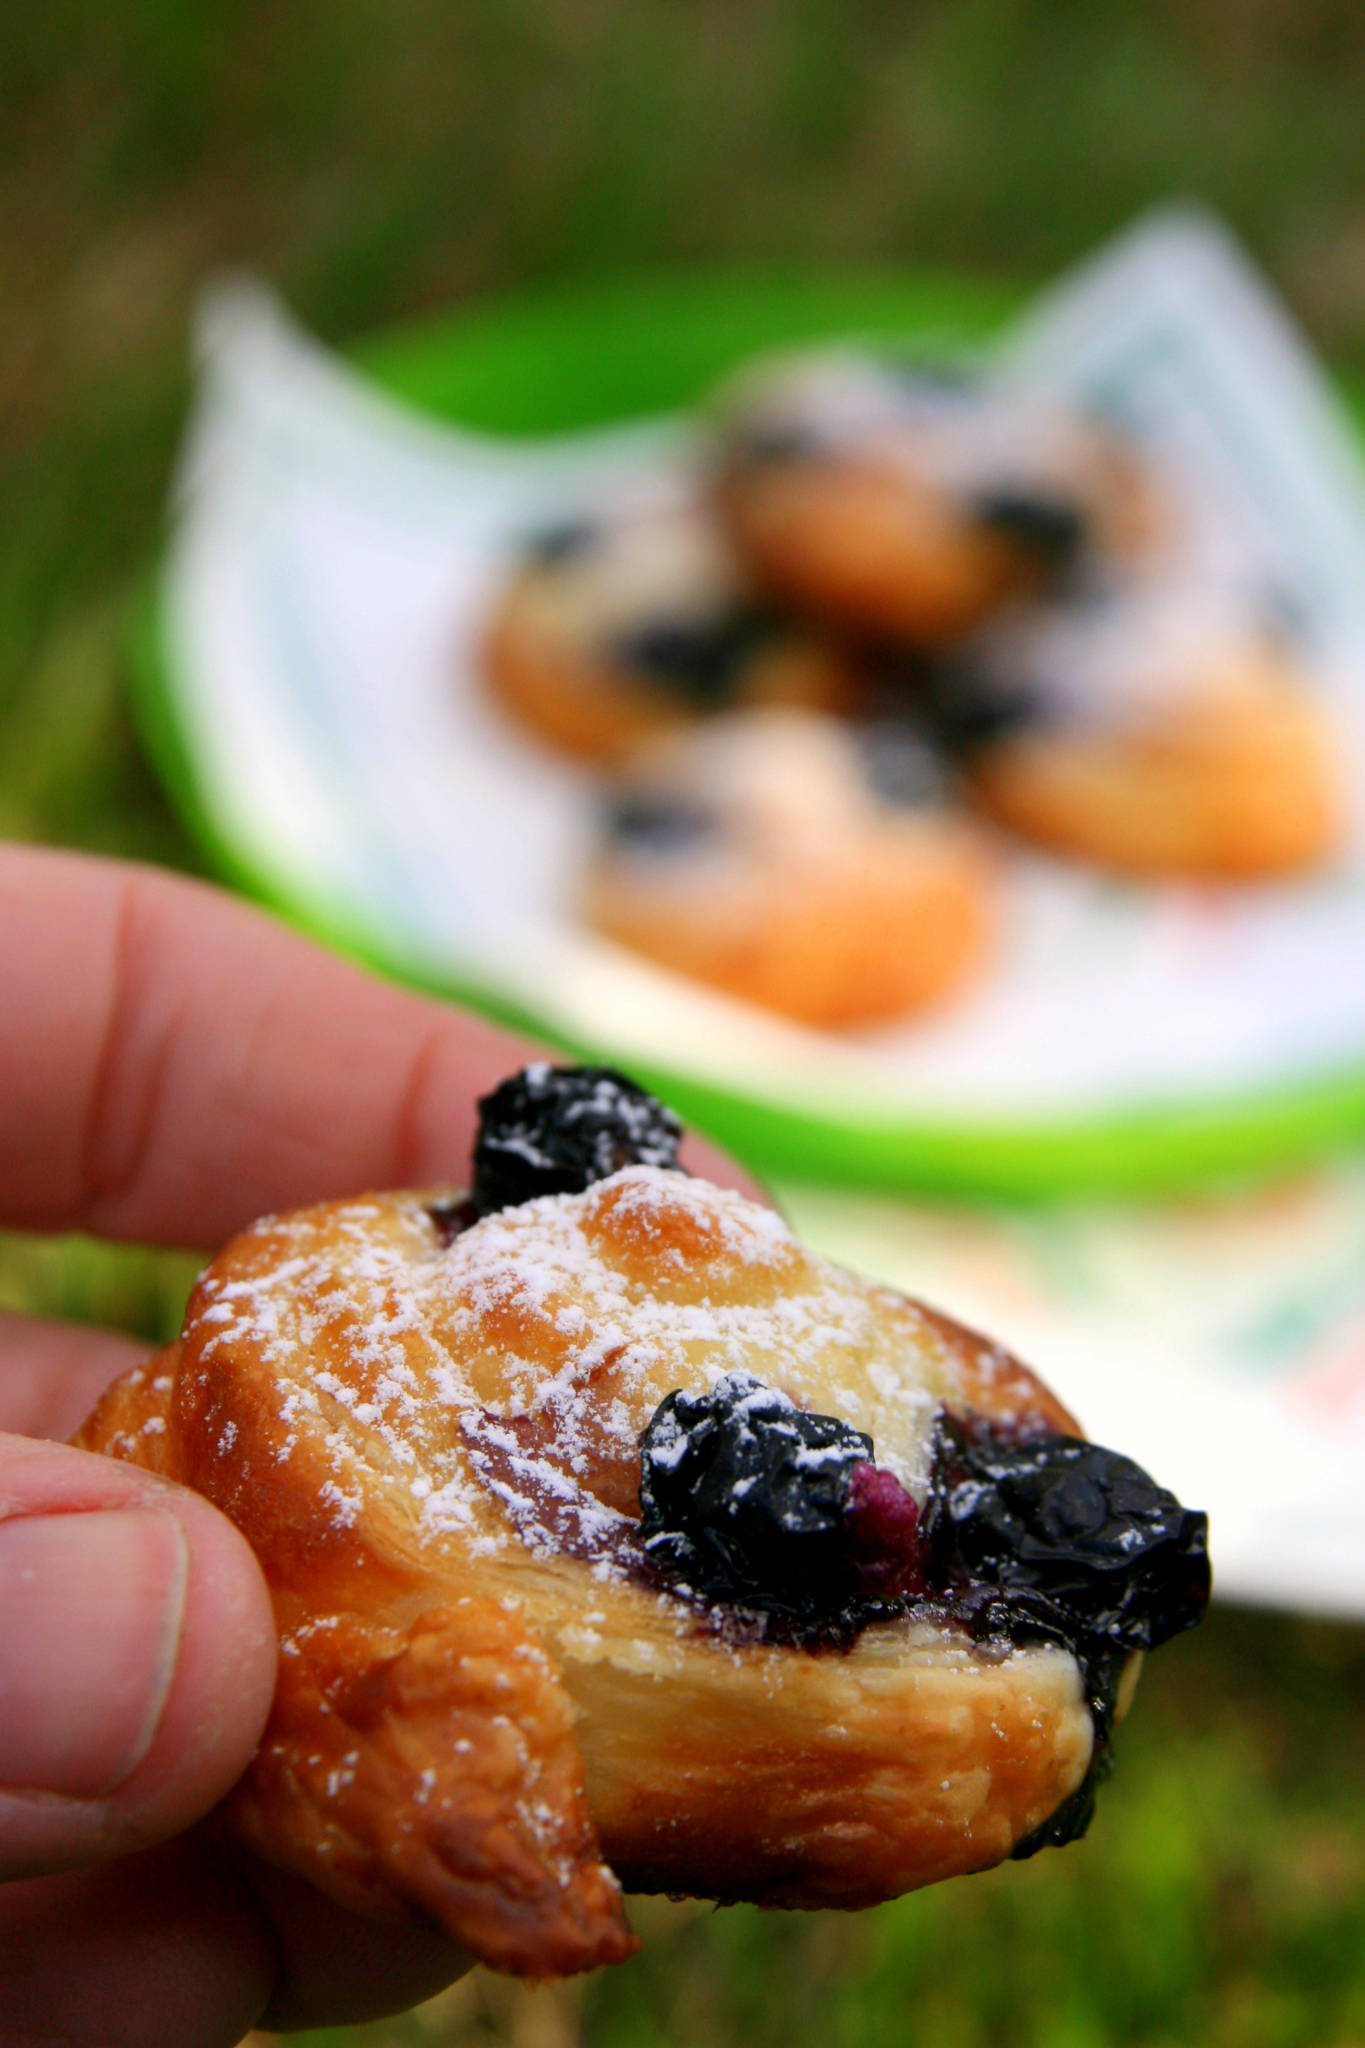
pixel 816 869
pixel 613 630
pixel 618 1541
pixel 867 492
pixel 1160 729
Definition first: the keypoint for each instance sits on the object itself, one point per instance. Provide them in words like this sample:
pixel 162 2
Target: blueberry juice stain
pixel 780 1524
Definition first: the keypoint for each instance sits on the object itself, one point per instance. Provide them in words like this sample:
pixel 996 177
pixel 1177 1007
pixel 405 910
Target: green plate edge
pixel 586 356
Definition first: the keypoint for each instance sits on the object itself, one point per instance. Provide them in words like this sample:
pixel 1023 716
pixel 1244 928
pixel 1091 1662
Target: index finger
pixel 176 1064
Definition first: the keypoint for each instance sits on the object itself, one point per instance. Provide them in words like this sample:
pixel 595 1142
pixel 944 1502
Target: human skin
pixel 174 1065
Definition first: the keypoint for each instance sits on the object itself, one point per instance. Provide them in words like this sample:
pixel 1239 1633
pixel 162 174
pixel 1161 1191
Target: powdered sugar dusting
pixel 502 1380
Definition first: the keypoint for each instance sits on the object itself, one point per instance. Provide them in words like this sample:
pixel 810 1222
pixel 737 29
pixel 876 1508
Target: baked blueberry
pixel 1084 1528
pixel 777 442
pixel 969 706
pixel 654 822
pixel 1285 614
pixel 450 1215
pixel 554 1130
pixel 1052 527
pixel 934 500
pixel 1055 1539
pixel 614 632
pixel 744 1497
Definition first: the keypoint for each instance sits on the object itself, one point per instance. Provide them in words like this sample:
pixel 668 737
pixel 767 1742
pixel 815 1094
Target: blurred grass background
pixel 381 158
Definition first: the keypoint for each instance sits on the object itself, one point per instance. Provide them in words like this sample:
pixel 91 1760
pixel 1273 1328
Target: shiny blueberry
pixel 1051 1539
pixel 967 708
pixel 1052 528
pixel 1080 1527
pixel 554 1130
pixel 696 659
pixel 744 1499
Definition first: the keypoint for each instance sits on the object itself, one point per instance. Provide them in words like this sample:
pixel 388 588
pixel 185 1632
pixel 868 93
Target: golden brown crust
pixel 572 695
pixel 808 895
pixel 864 1774
pixel 572 699
pixel 872 934
pixel 132 1419
pixel 566 648
pixel 1236 784
pixel 433 1449
pixel 436 1765
pixel 868 500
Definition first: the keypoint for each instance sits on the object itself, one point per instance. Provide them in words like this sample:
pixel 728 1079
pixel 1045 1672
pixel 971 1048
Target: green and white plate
pixel 310 676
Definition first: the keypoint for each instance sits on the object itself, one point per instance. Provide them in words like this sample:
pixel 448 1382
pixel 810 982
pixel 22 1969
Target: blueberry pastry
pixel 820 870
pixel 617 1542
pixel 614 630
pixel 900 503
pixel 1161 729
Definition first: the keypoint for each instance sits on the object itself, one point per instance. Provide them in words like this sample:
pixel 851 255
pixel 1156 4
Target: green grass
pixel 381 159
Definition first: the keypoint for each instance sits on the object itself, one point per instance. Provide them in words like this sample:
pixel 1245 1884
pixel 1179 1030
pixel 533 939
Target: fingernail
pixel 90 1614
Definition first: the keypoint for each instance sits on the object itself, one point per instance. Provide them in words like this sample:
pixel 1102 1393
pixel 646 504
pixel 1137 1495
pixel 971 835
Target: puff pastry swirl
pixel 491 1710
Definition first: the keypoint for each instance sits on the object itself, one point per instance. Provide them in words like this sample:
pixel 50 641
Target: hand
pixel 172 1066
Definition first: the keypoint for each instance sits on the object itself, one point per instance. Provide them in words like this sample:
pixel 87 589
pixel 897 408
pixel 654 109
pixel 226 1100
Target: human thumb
pixel 137 1657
